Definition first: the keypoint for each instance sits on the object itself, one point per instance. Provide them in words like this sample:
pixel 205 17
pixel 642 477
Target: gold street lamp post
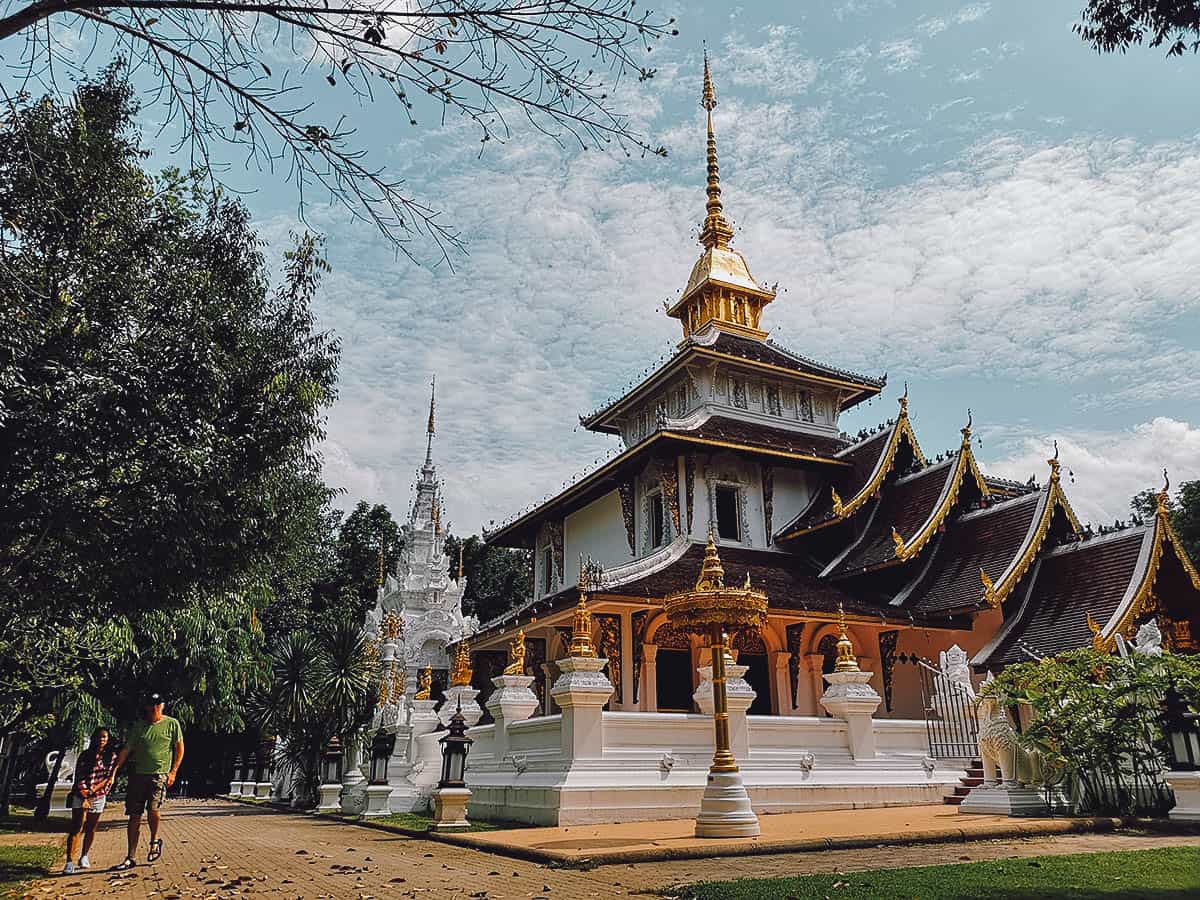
pixel 713 610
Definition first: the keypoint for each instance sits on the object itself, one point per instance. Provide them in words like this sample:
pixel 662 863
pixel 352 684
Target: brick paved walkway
pixel 221 850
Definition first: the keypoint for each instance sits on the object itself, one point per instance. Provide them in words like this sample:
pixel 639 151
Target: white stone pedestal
pixel 354 795
pixel 1001 800
pixel 377 796
pixel 725 808
pixel 328 797
pixel 512 701
pixel 58 798
pixel 262 790
pixel 1186 786
pixel 849 697
pixel 423 718
pixel 471 711
pixel 235 788
pixel 581 692
pixel 450 809
pixel 738 698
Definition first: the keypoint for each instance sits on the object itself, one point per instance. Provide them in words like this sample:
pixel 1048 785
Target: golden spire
pixel 904 402
pixel 460 561
pixel 716 231
pixel 460 671
pixel 712 573
pixel 846 660
pixel 966 430
pixel 1162 500
pixel 381 577
pixel 581 625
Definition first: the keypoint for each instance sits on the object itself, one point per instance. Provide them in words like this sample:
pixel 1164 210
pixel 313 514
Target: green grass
pixel 1160 873
pixel 20 865
pixel 418 822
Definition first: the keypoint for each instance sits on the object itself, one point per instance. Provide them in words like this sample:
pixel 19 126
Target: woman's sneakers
pixel 84 862
pixel 69 868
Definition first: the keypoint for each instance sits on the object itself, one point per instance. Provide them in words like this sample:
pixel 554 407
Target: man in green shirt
pixel 154 751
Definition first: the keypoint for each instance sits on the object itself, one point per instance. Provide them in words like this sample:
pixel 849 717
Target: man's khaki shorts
pixel 145 792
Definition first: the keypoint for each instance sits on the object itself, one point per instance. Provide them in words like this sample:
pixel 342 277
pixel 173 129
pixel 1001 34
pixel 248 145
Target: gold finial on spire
pixel 712 573
pixel 460 562
pixel 716 230
pixel 381 575
pixel 966 429
pixel 1054 464
pixel 429 429
pixel 1163 498
pixel 460 671
pixel 846 660
pixel 904 402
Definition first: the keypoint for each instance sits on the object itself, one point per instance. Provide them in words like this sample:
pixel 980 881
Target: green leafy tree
pixel 1112 25
pixel 366 532
pixel 158 403
pixel 498 578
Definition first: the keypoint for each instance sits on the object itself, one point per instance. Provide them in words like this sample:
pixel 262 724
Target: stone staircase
pixel 972 778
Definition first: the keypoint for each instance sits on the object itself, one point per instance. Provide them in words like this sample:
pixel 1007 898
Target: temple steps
pixel 972 778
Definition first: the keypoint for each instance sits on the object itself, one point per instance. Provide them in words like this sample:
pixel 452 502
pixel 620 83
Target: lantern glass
pixel 455 746
pixel 331 770
pixel 381 751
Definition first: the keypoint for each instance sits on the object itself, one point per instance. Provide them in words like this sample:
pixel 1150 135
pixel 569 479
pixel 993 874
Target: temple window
pixel 657 515
pixel 547 570
pixel 729 524
pixel 774 406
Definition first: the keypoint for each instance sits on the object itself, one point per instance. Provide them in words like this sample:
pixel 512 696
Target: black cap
pixel 152 699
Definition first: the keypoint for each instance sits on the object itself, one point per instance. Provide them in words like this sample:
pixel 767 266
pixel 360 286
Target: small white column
pixel 850 698
pixel 512 701
pixel 781 680
pixel 354 796
pixel 811 667
pixel 581 692
pixel 471 710
pixel 649 697
pixel 1186 786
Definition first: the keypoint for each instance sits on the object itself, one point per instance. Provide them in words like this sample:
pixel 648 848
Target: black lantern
pixel 382 746
pixel 1181 728
pixel 331 762
pixel 247 763
pixel 253 767
pixel 237 769
pixel 455 746
pixel 266 759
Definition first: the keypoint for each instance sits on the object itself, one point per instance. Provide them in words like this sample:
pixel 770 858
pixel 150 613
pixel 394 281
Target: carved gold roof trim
pixel 1144 601
pixel 843 509
pixel 907 549
pixel 995 593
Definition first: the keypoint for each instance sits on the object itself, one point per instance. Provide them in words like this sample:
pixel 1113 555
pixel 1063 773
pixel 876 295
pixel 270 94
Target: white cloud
pixel 899 56
pixel 779 64
pixel 1109 467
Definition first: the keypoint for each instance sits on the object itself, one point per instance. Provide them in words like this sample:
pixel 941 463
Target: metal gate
pixel 949 710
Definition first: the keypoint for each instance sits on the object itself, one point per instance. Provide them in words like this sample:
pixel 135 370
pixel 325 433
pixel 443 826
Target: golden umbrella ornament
pixel 712 610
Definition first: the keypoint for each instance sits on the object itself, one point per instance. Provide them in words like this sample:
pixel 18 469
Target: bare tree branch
pixel 556 61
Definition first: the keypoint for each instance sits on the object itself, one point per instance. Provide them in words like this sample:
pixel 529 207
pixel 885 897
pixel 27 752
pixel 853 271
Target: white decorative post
pixel 849 697
pixel 582 689
pixel 513 700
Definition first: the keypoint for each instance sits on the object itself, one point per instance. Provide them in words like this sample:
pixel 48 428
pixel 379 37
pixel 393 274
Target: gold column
pixel 723 760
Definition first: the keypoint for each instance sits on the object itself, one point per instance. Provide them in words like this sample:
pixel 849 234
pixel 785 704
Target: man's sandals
pixel 155 850
pixel 128 863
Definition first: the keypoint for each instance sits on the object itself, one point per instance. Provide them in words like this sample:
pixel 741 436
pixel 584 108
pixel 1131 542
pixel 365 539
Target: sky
pixel 961 195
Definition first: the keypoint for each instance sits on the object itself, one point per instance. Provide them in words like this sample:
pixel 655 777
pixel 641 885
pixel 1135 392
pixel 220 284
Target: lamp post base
pixel 725 808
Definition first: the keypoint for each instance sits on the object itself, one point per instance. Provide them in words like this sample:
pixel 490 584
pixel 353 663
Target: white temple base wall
pixel 655 766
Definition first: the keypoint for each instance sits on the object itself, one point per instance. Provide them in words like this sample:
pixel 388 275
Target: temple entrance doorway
pixel 674 680
pixel 752 652
pixel 675 675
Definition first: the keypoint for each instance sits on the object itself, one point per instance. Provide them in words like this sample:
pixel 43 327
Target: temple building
pixel 419 605
pixel 920 565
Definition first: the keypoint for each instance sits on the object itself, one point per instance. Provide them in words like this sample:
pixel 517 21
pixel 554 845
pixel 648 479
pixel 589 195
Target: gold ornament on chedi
pixel 711 603
pixel 581 625
pixel 460 671
pixel 846 660
pixel 516 655
pixel 424 683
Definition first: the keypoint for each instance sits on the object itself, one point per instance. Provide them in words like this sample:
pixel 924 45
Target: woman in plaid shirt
pixel 93 780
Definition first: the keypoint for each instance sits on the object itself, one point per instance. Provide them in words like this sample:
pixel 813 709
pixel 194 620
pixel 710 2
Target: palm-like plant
pixel 322 685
